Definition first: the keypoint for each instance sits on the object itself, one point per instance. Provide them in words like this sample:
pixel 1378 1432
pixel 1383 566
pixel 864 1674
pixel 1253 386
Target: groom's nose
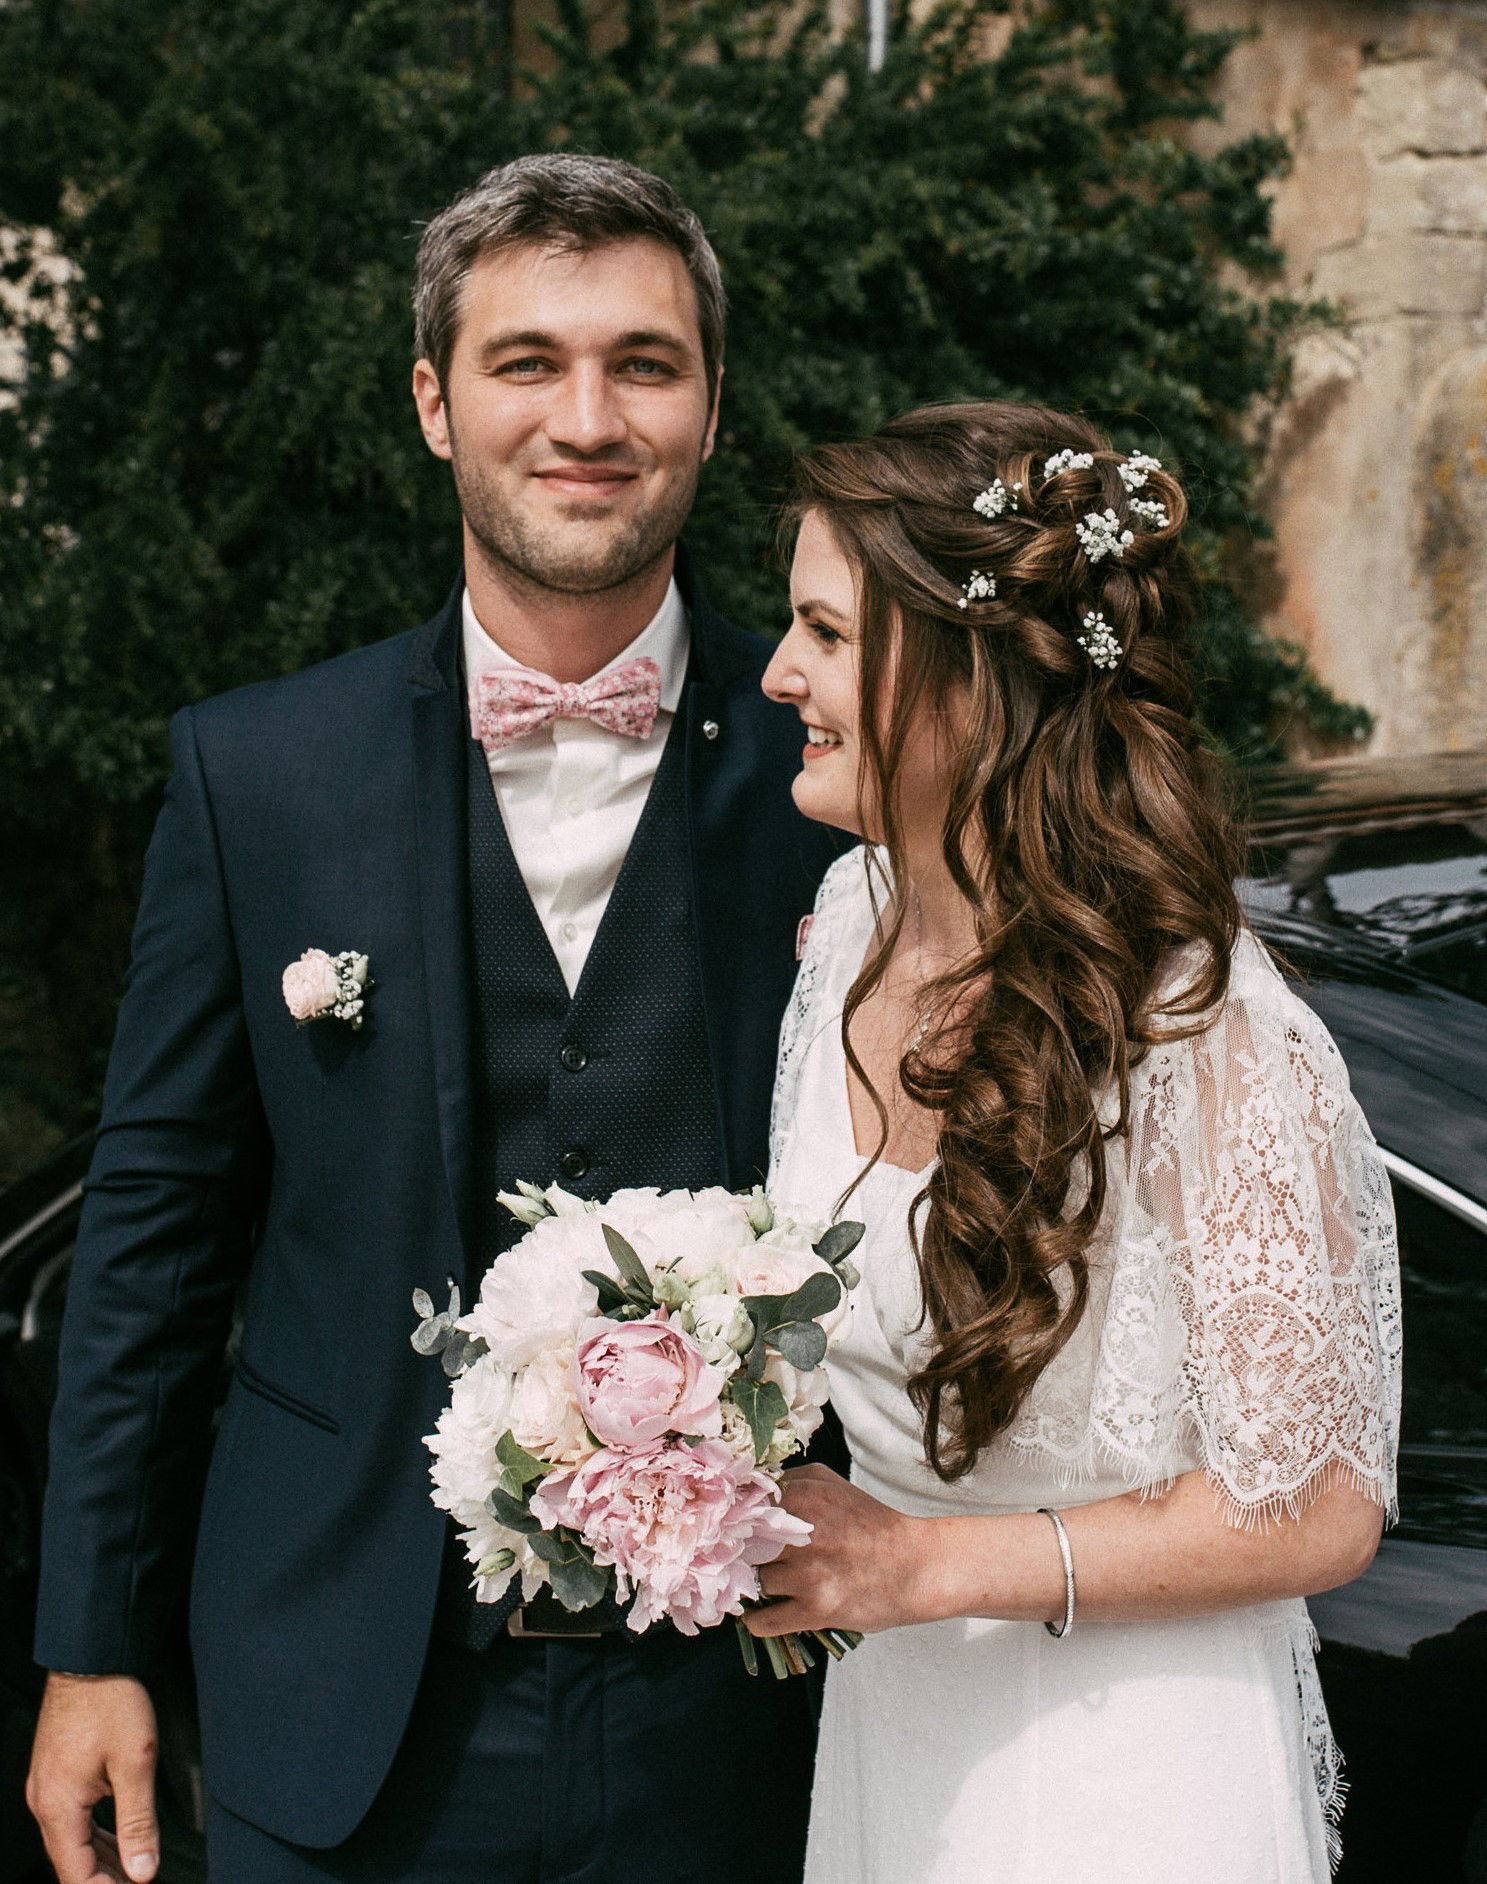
pixel 586 413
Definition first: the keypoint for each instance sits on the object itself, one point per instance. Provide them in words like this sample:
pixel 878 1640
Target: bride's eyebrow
pixel 820 608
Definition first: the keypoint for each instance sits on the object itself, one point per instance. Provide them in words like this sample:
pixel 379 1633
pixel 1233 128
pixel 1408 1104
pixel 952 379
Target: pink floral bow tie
pixel 510 705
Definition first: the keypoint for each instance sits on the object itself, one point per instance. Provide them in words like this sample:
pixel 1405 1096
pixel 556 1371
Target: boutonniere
pixel 320 986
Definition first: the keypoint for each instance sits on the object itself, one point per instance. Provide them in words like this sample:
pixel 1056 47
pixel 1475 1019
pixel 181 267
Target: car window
pixel 1443 1271
pixel 1405 888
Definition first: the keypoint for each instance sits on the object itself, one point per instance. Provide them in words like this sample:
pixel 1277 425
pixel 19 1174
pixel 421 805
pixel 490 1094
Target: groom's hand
pixel 864 1567
pixel 96 1739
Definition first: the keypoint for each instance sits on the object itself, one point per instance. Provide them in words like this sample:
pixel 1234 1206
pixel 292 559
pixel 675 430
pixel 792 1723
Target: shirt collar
pixel 665 638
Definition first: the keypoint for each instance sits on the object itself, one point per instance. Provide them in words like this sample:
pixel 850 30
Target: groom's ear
pixel 433 414
pixel 710 437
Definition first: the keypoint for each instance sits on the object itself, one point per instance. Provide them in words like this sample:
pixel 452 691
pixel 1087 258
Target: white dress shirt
pixel 571 794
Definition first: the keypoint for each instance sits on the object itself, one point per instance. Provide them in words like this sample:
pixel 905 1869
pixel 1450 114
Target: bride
pixel 1122 1380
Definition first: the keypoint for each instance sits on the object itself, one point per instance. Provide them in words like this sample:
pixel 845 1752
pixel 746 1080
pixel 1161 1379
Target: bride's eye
pixel 828 637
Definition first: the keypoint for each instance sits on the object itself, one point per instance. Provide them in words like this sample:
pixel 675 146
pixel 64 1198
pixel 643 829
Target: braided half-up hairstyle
pixel 1085 825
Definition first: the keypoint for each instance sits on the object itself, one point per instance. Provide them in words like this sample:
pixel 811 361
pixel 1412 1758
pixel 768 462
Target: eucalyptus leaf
pixel 762 1405
pixel 632 1269
pixel 550 1547
pixel 578 1583
pixel 757 1357
pixel 423 1304
pixel 802 1343
pixel 816 1296
pixel 519 1463
pixel 839 1241
pixel 512 1513
pixel 431 1337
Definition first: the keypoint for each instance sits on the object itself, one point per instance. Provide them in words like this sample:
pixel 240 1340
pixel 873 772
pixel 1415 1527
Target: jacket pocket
pixel 255 1383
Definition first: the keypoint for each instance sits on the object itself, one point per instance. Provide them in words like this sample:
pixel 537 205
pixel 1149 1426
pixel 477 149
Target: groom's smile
pixel 576 410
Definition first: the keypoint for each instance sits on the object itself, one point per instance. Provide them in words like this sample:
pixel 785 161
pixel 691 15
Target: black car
pixel 1369 880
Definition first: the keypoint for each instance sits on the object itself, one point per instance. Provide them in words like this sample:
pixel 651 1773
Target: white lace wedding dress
pixel 1243 1321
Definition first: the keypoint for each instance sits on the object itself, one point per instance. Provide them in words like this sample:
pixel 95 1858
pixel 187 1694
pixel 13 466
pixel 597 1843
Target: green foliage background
pixel 209 467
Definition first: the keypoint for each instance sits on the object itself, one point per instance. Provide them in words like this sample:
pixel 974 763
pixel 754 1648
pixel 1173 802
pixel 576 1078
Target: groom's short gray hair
pixel 565 201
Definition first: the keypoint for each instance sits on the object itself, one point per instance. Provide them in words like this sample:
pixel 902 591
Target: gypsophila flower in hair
pixel 1069 461
pixel 1136 469
pixel 980 588
pixel 1099 641
pixel 996 498
pixel 1151 511
pixel 1100 535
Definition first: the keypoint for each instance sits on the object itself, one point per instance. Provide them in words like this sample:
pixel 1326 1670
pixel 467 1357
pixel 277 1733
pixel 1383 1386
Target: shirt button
pixel 573 807
pixel 574 1059
pixel 710 729
pixel 573 1164
pixel 570 930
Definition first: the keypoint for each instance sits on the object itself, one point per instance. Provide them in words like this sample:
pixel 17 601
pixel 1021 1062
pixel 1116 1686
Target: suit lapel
pixel 440 735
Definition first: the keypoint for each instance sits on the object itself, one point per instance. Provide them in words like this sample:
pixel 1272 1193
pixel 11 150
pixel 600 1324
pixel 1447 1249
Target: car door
pixel 1404 1648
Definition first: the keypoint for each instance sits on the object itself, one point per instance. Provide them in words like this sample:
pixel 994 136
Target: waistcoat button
pixel 573 1164
pixel 574 1059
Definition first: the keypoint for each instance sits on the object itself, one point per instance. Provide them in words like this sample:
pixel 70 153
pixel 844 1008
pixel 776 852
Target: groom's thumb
pixel 134 1816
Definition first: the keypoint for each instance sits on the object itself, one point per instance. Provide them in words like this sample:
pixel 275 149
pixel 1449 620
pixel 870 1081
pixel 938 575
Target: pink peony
pixel 639 1379
pixel 310 985
pixel 684 1527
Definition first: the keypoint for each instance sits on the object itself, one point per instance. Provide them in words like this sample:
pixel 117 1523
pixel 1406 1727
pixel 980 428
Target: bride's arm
pixel 869 1567
pixel 1252 1204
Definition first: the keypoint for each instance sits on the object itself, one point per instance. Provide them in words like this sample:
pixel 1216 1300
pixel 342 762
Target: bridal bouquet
pixel 626 1390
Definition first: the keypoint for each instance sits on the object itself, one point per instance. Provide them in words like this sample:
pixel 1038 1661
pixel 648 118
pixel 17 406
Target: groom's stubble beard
pixel 578 561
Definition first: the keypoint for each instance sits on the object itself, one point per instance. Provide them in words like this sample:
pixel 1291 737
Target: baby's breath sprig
pixel 996 498
pixel 1099 641
pixel 980 588
pixel 1100 535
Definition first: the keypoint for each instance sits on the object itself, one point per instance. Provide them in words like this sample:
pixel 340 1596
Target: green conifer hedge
pixel 209 466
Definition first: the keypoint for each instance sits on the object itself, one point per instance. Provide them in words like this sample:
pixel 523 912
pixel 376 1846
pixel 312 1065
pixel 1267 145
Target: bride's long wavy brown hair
pixel 1086 826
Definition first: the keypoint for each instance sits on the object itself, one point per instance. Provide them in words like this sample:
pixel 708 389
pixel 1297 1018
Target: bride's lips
pixel 591 482
pixel 820 752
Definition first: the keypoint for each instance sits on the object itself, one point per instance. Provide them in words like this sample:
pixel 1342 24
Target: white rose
pixel 535 1296
pixel 775 1266
pixel 721 1326
pixel 545 1417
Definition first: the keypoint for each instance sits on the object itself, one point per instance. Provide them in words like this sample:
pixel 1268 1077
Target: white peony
pixel 535 1296
pixel 545 1417
pixel 695 1234
pixel 465 1468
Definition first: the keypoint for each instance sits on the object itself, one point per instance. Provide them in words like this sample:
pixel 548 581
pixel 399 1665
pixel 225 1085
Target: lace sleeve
pixel 841 888
pixel 1263 1189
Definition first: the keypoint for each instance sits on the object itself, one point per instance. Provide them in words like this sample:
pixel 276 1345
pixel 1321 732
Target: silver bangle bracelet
pixel 1061 1629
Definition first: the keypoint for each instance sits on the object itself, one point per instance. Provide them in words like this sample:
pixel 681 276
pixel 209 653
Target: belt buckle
pixel 518 1630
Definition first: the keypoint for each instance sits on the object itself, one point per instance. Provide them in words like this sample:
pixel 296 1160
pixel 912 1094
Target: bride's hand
pixel 862 1569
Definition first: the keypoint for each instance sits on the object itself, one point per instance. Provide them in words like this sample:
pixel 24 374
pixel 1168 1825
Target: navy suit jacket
pixel 330 1168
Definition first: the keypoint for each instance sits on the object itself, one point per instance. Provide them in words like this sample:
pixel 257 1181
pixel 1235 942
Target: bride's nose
pixel 783 680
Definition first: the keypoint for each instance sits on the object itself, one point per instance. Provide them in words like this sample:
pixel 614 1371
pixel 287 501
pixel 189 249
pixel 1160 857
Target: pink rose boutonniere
pixel 320 986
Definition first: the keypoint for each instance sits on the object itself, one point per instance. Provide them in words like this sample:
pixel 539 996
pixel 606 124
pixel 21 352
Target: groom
pixel 556 819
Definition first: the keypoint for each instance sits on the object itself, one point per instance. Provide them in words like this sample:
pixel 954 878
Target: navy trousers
pixel 620 1761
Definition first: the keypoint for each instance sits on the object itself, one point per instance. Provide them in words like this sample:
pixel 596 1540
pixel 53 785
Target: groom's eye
pixel 644 368
pixel 526 369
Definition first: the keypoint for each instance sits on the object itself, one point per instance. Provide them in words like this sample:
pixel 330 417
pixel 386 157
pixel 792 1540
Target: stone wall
pixel 1377 476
